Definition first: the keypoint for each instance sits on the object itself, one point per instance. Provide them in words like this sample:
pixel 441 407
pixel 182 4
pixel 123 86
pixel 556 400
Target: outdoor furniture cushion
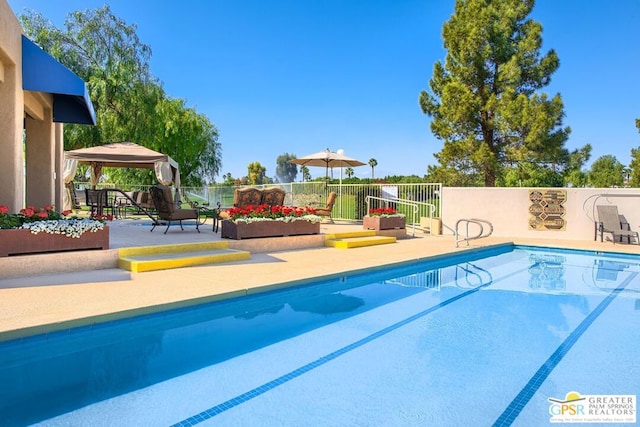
pixel 249 196
pixel 167 210
pixel 328 208
pixel 273 196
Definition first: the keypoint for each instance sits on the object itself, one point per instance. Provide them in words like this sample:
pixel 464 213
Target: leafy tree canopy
pixel 130 103
pixel 306 175
pixel 484 100
pixel 286 171
pixel 606 171
pixel 256 173
pixel 634 166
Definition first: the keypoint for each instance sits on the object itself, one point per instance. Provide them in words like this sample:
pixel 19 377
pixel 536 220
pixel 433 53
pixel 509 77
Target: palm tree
pixel 373 163
pixel 349 172
pixel 306 176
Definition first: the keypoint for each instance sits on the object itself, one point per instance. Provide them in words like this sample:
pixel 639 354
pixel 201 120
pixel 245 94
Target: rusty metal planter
pixel 244 230
pixel 21 242
pixel 383 222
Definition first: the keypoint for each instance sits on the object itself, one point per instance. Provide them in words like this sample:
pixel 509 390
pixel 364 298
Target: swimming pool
pixel 473 339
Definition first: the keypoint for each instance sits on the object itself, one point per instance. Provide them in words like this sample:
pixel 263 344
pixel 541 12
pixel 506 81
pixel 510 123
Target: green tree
pixel 306 175
pixel 634 178
pixel 483 99
pixel 130 103
pixel 574 175
pixel 285 170
pixel 451 177
pixel 256 173
pixel 349 172
pixel 228 179
pixel 532 175
pixel 606 171
pixel 373 163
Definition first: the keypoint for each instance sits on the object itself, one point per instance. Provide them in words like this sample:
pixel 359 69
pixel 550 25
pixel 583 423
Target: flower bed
pixel 274 228
pixel 23 241
pixel 44 230
pixel 383 219
pixel 269 221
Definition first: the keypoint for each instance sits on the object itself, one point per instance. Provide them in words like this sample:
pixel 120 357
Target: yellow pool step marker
pixel 163 257
pixel 356 239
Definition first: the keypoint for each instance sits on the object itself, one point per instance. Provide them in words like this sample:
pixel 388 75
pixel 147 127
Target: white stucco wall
pixel 508 210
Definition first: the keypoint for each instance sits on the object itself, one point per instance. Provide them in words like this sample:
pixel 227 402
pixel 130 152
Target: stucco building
pixel 37 96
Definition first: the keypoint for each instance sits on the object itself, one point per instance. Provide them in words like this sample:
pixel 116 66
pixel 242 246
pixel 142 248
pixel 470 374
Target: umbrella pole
pixel 340 192
pixel 326 177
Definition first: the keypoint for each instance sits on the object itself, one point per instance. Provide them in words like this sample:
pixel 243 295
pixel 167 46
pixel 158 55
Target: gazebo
pixel 123 155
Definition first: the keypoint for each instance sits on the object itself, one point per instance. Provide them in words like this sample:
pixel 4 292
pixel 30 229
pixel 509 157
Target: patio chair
pixel 242 198
pixel 249 196
pixel 143 200
pixel 328 208
pixel 609 222
pixel 91 200
pixel 273 196
pixel 167 210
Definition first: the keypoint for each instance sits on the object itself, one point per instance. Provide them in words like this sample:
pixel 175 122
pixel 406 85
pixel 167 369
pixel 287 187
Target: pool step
pixel 164 257
pixel 356 239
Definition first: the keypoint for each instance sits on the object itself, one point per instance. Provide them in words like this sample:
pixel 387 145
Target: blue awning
pixel 42 73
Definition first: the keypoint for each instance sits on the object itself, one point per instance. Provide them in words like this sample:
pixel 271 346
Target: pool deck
pixel 31 305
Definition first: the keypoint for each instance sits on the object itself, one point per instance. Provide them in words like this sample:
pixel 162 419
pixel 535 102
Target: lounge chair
pixel 167 210
pixel 328 208
pixel 609 222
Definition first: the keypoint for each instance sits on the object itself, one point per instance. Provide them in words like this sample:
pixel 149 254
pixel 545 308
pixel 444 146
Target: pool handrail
pixel 468 221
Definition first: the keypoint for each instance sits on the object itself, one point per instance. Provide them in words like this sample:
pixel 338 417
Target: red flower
pixel 43 214
pixel 28 212
pixel 48 208
pixel 4 209
pixel 67 212
pixel 381 211
pixel 266 211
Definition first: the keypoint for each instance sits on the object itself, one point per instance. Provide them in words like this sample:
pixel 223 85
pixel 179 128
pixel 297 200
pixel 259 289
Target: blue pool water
pixel 476 339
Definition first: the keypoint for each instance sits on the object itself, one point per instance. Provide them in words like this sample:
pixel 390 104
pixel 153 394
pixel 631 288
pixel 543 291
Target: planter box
pixel 243 230
pixel 383 222
pixel 21 242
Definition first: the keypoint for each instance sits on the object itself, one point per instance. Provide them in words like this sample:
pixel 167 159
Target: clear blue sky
pixel 299 76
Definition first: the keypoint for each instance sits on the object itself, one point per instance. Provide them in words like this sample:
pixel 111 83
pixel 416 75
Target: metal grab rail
pixel 413 204
pixel 476 221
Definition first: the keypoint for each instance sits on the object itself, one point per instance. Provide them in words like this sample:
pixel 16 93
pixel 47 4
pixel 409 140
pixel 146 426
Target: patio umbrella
pixel 328 159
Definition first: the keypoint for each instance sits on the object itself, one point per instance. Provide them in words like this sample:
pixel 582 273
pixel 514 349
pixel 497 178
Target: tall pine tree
pixel 484 101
